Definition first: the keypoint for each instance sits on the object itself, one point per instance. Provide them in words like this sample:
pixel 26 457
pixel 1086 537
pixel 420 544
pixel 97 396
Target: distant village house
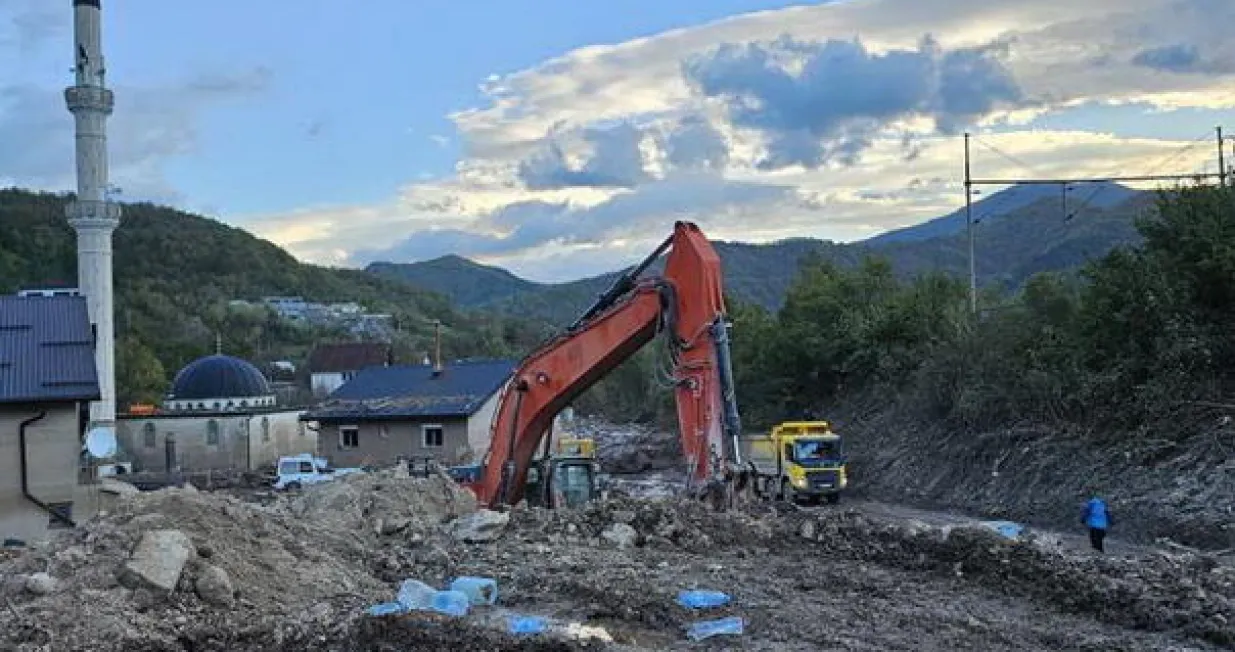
pixel 331 365
pixel 47 379
pixel 385 414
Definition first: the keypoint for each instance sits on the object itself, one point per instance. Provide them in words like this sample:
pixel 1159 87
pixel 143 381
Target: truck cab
pixel 800 460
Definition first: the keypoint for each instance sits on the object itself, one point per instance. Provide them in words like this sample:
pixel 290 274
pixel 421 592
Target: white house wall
pixel 478 426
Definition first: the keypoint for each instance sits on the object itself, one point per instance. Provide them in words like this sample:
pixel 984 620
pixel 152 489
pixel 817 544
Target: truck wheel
pixel 833 499
pixel 293 486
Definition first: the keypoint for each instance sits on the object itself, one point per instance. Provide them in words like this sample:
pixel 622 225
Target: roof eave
pixel 43 398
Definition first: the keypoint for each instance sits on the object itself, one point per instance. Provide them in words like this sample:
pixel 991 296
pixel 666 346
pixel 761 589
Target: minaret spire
pixel 92 215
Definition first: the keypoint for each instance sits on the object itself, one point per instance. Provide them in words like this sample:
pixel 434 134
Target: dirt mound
pixel 631 447
pixel 1190 594
pixel 294 565
pixel 666 523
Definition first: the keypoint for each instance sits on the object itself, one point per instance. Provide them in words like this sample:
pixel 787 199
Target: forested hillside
pixel 1139 330
pixel 1011 246
pixel 175 273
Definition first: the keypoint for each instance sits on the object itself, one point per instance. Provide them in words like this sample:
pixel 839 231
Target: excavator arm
pixel 685 305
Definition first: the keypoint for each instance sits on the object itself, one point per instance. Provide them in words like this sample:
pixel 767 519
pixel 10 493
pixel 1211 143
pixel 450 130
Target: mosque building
pixel 221 414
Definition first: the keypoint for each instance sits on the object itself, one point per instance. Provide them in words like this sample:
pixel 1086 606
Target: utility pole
pixel 973 275
pixel 1221 159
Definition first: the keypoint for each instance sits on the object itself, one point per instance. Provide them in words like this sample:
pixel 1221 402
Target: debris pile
pixel 178 570
pixel 168 562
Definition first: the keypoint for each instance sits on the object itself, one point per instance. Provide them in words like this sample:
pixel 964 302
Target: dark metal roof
pixel 413 391
pixel 219 376
pixel 348 356
pixel 46 350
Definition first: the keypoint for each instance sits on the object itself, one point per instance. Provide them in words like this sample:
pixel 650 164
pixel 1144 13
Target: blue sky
pixel 559 138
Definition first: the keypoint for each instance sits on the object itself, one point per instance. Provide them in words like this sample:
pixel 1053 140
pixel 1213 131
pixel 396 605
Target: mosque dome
pixel 219 382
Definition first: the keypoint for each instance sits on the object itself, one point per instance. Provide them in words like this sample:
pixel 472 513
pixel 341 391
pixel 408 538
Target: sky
pixel 561 139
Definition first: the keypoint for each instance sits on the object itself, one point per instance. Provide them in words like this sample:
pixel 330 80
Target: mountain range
pixel 1019 231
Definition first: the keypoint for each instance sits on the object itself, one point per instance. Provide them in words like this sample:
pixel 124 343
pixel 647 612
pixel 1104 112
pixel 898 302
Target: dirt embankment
pixel 179 570
pixel 1184 492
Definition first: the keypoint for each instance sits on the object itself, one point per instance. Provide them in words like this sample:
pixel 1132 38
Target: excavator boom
pixel 685 305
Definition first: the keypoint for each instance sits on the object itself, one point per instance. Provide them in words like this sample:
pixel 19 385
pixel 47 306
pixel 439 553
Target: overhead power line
pixel 970 182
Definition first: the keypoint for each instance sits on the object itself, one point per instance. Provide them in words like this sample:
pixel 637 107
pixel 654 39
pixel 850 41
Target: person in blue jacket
pixel 1098 518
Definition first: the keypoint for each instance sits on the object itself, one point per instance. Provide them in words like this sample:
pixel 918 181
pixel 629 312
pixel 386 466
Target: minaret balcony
pixel 98 214
pixel 89 98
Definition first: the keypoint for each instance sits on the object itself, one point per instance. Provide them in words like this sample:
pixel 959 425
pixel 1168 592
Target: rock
pixel 73 555
pixel 807 530
pixel 158 560
pixel 12 584
pixel 620 535
pixel 623 516
pixel 42 584
pixel 117 488
pixel 214 586
pixel 392 525
pixel 479 527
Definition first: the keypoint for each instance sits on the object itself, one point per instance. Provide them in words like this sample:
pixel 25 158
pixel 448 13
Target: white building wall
pixel 478 426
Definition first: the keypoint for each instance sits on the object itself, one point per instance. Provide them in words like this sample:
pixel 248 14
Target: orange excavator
pixel 686 306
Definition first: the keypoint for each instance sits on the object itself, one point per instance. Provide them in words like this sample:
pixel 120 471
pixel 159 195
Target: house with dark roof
pixel 331 365
pixel 47 380
pixel 385 414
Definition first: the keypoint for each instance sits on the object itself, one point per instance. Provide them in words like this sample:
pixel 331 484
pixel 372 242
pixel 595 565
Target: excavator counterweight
pixel 686 306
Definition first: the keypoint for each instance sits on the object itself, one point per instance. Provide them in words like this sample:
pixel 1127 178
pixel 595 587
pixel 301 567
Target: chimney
pixel 437 336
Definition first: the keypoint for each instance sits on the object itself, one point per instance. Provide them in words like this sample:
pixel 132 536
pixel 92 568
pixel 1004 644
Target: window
pixel 265 429
pixel 149 435
pixel 307 467
pixel 349 437
pixel 434 436
pixel 212 433
pixel 289 467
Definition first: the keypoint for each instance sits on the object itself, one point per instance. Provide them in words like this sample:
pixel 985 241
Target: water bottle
pixel 526 624
pixel 451 603
pixel 479 590
pixel 387 609
pixel 710 628
pixel 702 599
pixel 414 594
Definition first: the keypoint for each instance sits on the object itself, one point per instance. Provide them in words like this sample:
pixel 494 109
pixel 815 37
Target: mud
pixel 305 567
pixel 1157 488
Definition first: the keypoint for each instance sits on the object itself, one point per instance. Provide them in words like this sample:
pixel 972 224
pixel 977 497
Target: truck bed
pixel 760 451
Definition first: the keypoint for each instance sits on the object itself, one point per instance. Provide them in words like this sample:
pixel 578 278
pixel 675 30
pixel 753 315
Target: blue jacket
pixel 1095 514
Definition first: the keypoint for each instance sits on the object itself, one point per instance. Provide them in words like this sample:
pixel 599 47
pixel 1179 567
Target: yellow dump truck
pixel 798 460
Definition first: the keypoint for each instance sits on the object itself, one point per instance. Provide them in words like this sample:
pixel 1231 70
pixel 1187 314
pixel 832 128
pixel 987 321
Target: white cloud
pixel 586 159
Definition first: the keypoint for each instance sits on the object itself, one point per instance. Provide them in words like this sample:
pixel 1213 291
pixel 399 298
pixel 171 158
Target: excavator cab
pixel 567 478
